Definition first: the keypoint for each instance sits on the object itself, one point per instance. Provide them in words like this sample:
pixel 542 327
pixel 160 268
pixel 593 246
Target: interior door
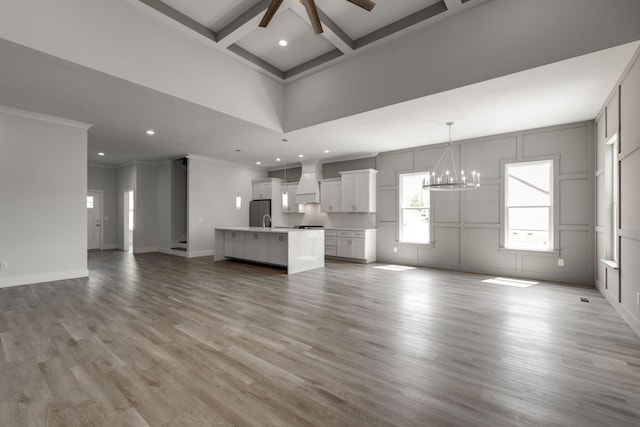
pixel 94 216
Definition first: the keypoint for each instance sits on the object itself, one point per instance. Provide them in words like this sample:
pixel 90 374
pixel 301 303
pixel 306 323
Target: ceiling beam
pixel 244 24
pixel 402 24
pixel 180 17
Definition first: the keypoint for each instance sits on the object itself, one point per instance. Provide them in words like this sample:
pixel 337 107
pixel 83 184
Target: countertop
pixel 270 230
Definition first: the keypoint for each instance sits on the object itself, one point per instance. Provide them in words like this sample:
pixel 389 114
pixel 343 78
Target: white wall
pixel 495 39
pixel 43 189
pixel 467 225
pixel 125 181
pixel 145 228
pixel 189 66
pixel 163 206
pixel 213 186
pixel 104 178
pixel 620 115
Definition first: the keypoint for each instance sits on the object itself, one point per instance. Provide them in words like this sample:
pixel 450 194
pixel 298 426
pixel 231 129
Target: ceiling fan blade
pixel 271 11
pixel 313 15
pixel 365 4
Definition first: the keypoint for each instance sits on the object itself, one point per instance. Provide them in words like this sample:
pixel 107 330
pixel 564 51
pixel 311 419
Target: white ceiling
pixel 560 92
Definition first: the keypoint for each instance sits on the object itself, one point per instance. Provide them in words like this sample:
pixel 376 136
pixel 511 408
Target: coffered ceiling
pixel 233 27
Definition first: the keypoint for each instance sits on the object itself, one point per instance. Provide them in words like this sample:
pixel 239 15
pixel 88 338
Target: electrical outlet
pixel 4 265
pixel 395 249
pixel 560 262
pixel 638 298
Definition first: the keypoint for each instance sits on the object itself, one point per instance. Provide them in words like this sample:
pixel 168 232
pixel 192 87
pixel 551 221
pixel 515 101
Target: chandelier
pixel 447 177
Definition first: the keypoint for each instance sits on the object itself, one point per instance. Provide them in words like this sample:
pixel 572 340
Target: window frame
pixel 553 206
pixel 425 174
pixel 612 185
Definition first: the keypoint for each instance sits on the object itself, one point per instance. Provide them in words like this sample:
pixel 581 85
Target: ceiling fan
pixel 312 11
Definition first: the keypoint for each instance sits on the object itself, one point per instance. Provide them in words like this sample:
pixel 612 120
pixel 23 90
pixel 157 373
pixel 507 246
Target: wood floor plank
pixel 152 339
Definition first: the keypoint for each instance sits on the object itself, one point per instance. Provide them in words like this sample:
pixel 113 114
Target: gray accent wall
pixel 467 227
pixel 619 116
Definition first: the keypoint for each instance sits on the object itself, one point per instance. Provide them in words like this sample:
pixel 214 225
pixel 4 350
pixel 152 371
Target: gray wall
pixel 104 178
pixel 620 114
pixel 332 170
pixel 178 203
pixel 43 198
pixel 466 226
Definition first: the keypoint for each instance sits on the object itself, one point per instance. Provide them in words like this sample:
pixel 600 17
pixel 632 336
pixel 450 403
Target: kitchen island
pixel 296 249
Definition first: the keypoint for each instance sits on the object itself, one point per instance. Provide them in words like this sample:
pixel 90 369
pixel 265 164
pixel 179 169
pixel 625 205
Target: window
pixel 529 205
pixel 131 210
pixel 414 208
pixel 611 171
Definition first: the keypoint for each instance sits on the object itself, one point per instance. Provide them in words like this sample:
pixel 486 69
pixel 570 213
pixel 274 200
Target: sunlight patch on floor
pixel 518 283
pixel 392 267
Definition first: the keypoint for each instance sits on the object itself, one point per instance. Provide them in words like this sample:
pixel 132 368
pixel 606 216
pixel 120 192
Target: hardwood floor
pixel 162 340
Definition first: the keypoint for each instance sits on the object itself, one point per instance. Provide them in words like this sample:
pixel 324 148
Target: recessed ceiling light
pixel 258 163
pixel 326 151
pixel 300 155
pixel 101 154
pixel 151 132
pixel 278 159
pixel 283 43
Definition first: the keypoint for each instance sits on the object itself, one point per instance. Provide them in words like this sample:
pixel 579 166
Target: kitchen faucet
pixel 264 221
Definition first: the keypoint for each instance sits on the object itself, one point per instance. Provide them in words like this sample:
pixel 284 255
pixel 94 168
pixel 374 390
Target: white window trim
pixel 400 209
pixel 553 208
pixel 611 199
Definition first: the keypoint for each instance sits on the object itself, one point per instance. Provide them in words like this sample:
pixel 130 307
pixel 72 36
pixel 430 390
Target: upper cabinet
pixel 359 190
pixel 265 188
pixel 292 205
pixel 331 195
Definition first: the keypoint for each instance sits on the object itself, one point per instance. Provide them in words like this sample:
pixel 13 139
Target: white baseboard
pixel 164 250
pixel 110 246
pixel 626 315
pixel 144 250
pixel 195 254
pixel 29 279
pixel 183 254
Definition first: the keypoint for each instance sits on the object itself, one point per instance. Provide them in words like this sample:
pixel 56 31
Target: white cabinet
pixel 261 190
pixel 359 190
pixel 256 246
pixel 357 245
pixel 291 198
pixel 278 248
pixel 331 195
pixel 234 244
pixel 266 188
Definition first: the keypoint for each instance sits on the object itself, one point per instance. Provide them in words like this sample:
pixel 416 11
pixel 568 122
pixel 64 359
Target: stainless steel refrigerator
pixel 257 210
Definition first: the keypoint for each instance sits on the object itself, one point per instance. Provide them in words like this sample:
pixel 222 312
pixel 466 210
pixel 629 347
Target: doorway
pixel 94 219
pixel 129 214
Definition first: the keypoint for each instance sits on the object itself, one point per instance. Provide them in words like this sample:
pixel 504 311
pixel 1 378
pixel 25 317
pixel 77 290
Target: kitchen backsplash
pixel 313 216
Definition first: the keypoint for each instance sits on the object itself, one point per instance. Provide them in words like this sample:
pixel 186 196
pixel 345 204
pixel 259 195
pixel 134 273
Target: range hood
pixel 309 186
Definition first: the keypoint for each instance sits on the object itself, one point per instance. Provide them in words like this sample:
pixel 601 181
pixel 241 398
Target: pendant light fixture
pixel 447 177
pixel 285 195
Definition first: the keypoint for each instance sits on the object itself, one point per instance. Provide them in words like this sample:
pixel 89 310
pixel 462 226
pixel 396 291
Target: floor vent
pixel 583 299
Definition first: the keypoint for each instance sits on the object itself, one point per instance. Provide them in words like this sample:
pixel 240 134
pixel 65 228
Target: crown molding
pixel 44 117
